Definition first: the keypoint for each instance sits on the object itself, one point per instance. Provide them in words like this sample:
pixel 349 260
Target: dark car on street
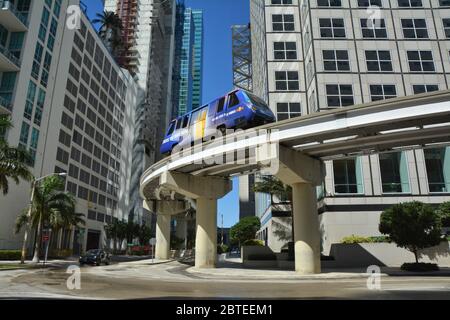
pixel 95 257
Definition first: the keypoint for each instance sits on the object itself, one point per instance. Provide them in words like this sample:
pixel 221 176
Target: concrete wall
pixel 385 254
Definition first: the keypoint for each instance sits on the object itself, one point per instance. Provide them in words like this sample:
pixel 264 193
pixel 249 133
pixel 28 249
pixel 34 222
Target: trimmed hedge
pixel 10 255
pixel 420 267
pixel 358 239
pixel 254 242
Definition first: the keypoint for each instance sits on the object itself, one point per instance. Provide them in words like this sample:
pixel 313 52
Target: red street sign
pixel 45 238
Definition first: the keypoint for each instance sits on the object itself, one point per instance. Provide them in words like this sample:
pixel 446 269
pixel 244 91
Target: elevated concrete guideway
pixel 294 151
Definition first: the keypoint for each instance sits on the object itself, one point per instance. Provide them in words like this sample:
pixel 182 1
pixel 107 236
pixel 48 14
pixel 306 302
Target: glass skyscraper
pixel 189 60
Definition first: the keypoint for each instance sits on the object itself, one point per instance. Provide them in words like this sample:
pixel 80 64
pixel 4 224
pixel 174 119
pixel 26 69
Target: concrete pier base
pixel 206 240
pixel 306 229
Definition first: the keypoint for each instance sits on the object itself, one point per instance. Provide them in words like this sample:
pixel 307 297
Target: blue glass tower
pixel 188 65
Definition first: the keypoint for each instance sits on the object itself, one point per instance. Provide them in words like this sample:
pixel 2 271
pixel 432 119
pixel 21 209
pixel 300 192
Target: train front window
pixel 257 101
pixel 179 124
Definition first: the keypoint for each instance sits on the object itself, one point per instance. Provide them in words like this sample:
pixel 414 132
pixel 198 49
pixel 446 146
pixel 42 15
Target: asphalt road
pixel 174 281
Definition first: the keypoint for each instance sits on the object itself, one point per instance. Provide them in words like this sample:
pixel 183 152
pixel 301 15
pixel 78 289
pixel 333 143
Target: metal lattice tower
pixel 242 57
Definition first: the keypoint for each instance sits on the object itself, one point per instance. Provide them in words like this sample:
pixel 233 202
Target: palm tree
pixel 13 161
pixel 52 207
pixel 274 187
pixel 110 30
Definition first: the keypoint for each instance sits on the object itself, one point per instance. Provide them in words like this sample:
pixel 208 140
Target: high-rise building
pixel 73 108
pixel 149 32
pixel 310 56
pixel 188 63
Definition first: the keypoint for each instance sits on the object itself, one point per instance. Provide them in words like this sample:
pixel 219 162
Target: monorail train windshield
pixel 238 109
pixel 257 101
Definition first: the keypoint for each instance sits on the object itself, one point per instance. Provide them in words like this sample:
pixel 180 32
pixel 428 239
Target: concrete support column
pixel 206 240
pixel 306 228
pixel 162 250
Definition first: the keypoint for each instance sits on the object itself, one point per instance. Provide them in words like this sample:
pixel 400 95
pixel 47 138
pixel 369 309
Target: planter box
pixel 385 254
pixel 247 251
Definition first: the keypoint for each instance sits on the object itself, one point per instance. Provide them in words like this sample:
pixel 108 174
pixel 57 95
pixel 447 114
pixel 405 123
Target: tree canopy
pixel 412 225
pixel 13 161
pixel 245 229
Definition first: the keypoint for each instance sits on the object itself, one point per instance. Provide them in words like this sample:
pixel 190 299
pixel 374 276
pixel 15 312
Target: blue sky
pixel 219 15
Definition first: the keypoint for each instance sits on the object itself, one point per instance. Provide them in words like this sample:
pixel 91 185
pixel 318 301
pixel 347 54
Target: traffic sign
pixel 45 238
pixel 152 241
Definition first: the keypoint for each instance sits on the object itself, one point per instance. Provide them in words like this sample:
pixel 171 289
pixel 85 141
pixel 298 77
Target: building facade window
pixel 281 1
pixel 378 60
pixel 287 81
pixel 420 61
pixel 409 3
pixel 339 95
pixel 373 29
pixel 414 29
pixel 283 22
pixel 335 60
pixel 394 172
pixel 24 133
pixel 329 3
pixel 285 50
pixel 288 110
pixel 382 91
pixel 438 169
pixel 422 88
pixel 332 28
pixel 446 24
pixel 348 177
pixel 368 3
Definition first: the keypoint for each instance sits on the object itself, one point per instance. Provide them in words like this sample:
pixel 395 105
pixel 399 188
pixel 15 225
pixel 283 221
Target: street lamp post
pixel 30 209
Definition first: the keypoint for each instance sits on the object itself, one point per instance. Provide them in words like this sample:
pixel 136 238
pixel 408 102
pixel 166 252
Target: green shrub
pixel 10 255
pixel 222 249
pixel 380 239
pixel 254 242
pixel 356 239
pixel 420 267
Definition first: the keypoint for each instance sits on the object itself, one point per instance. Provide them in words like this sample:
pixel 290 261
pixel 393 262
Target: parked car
pixel 95 257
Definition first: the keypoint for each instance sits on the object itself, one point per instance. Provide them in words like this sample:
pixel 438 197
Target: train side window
pixel 221 105
pixel 185 121
pixel 233 100
pixel 171 128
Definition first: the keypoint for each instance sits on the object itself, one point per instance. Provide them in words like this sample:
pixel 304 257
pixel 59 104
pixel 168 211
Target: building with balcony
pixel 73 108
pixel 13 28
pixel 149 35
pixel 310 56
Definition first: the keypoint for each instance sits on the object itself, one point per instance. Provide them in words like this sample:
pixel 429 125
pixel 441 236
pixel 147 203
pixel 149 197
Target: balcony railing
pixel 9 55
pixel 5 103
pixel 9 5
